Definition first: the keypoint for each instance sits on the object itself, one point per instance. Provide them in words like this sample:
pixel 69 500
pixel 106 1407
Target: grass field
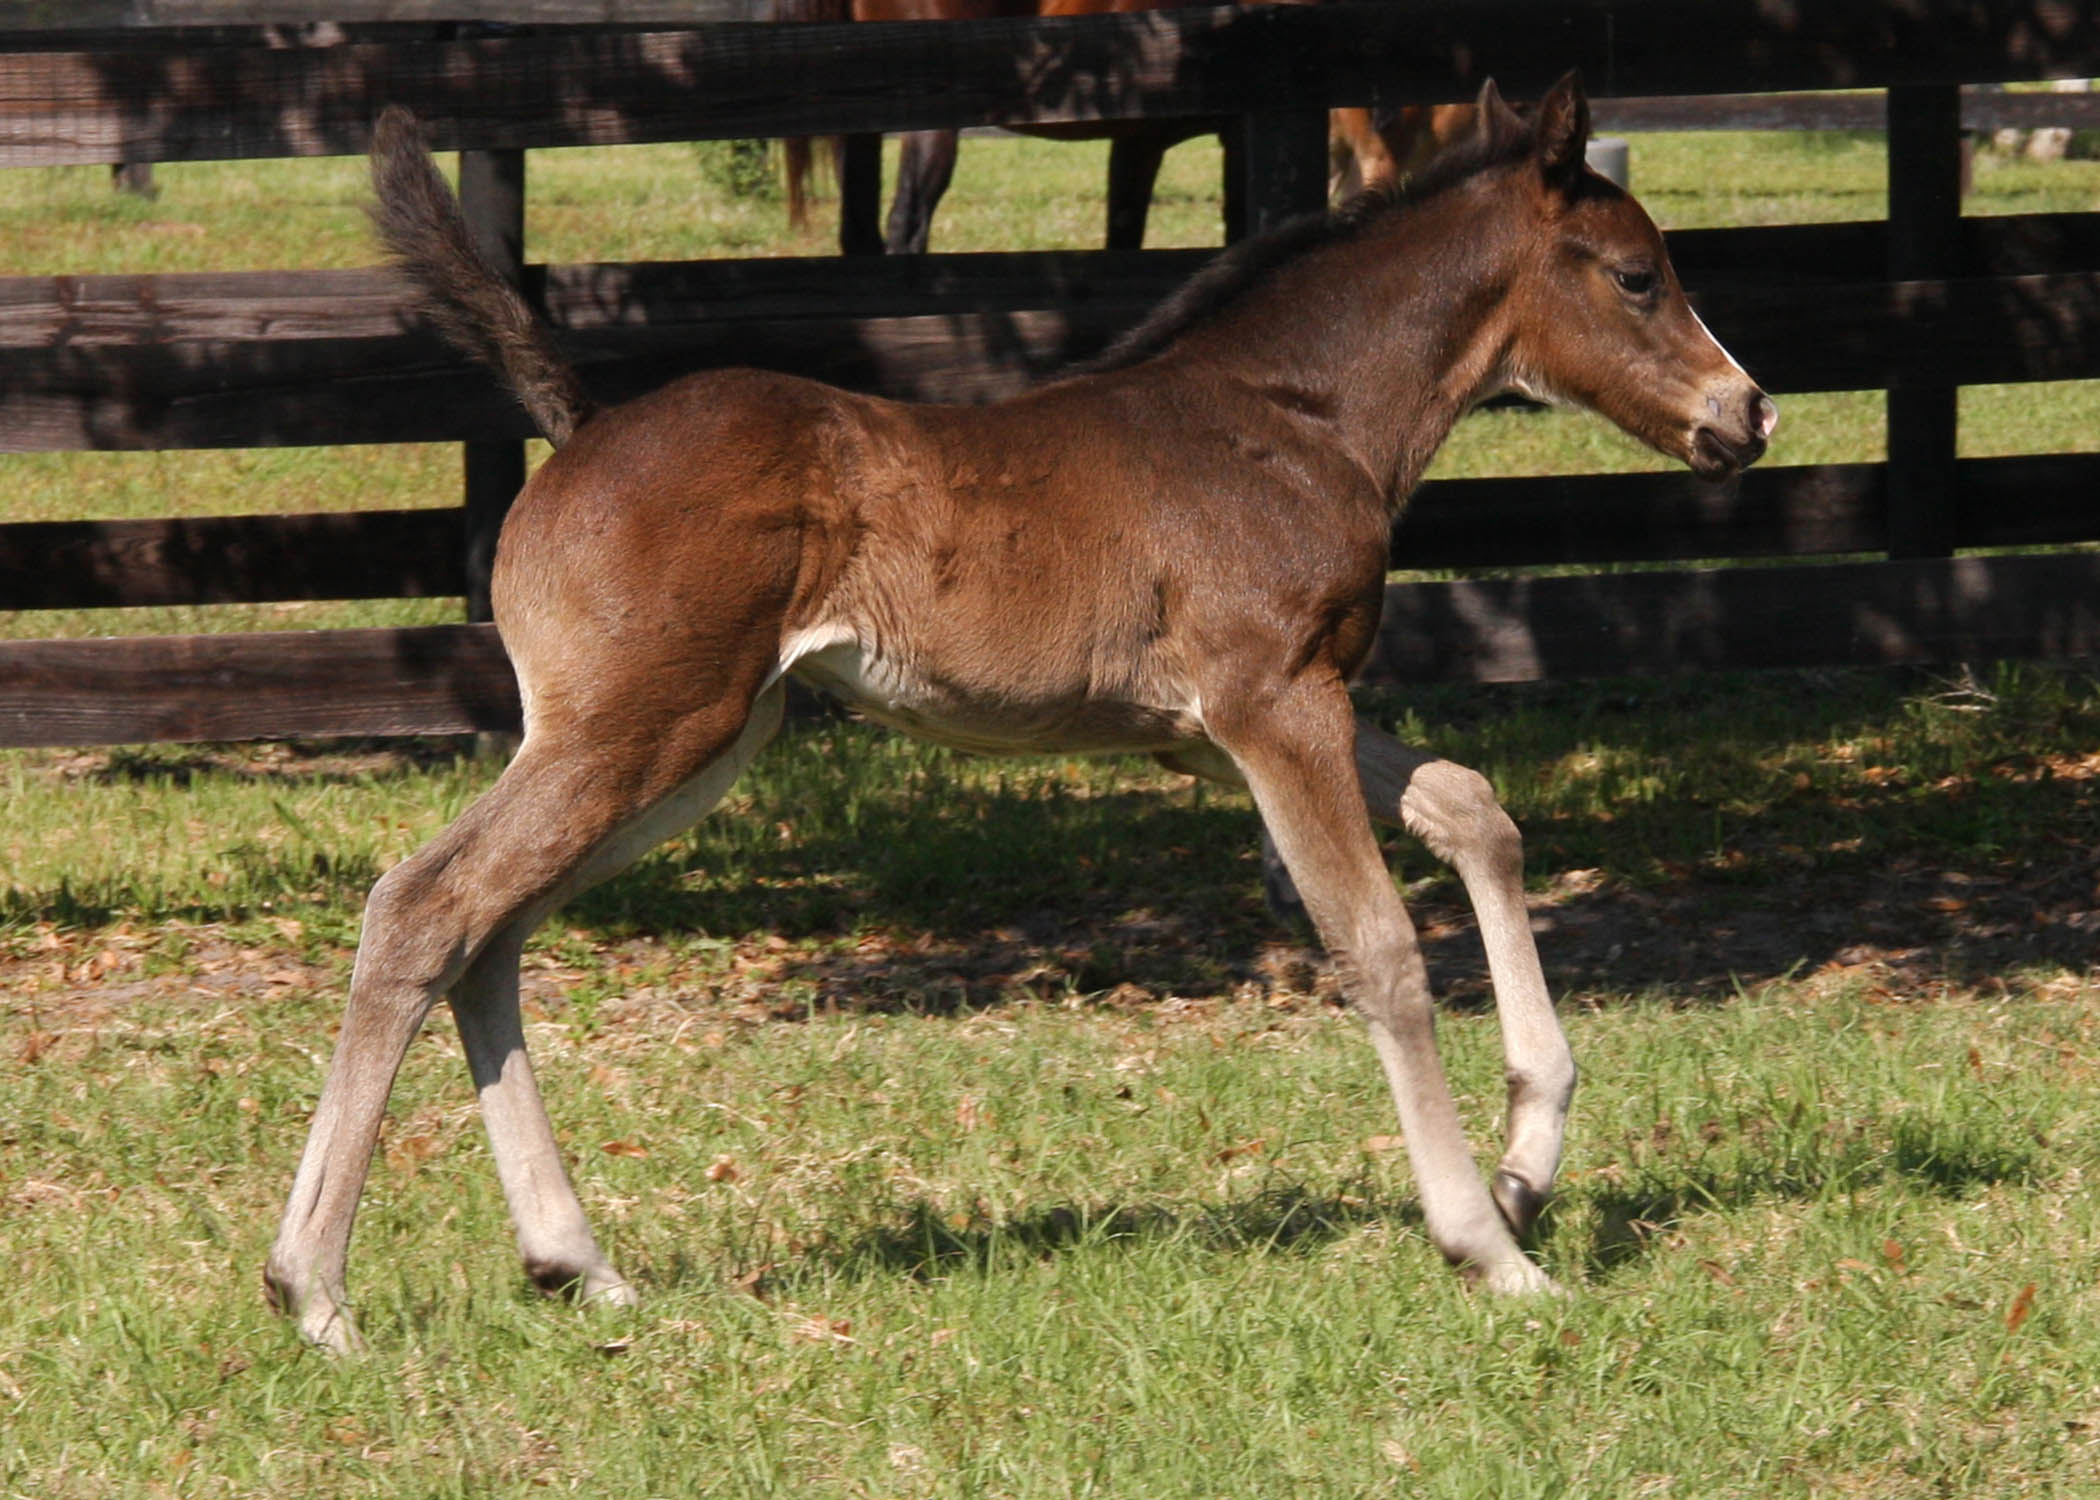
pixel 969 1127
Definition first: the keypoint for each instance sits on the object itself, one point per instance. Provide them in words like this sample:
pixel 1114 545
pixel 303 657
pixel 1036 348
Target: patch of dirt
pixel 1910 927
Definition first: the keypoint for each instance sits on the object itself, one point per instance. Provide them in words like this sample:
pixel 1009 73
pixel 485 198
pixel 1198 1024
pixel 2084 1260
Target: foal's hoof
pixel 1520 1202
pixel 1515 1278
pixel 323 1321
pixel 597 1292
pixel 594 1286
pixel 327 1325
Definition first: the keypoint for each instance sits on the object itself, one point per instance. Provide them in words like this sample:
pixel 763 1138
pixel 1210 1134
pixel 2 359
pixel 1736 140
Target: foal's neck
pixel 1394 332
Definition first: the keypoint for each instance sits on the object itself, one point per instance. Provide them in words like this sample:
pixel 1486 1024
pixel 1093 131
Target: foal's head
pixel 1596 314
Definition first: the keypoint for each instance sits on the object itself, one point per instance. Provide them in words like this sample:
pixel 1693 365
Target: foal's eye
pixel 1635 281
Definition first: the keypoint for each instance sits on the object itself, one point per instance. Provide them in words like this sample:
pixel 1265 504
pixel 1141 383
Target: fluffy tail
pixel 463 296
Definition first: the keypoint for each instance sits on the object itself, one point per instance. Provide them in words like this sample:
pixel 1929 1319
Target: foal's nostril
pixel 1764 416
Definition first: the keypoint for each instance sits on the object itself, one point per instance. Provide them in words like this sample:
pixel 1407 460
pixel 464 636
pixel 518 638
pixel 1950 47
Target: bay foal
pixel 1181 551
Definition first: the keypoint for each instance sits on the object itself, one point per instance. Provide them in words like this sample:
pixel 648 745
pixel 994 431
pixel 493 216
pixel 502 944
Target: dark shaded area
pixel 949 893
pixel 443 679
pixel 398 554
pixel 561 85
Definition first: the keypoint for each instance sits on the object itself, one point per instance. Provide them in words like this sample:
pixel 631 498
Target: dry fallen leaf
pixel 624 1148
pixel 2022 1305
pixel 825 1330
pixel 1396 1453
pixel 723 1169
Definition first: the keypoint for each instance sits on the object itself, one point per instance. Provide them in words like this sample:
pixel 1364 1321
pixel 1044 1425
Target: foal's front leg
pixel 1296 750
pixel 1453 811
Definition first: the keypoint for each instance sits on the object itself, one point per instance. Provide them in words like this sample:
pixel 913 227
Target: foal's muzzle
pixel 1734 439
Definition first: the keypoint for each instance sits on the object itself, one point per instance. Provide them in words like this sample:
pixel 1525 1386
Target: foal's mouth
pixel 1715 456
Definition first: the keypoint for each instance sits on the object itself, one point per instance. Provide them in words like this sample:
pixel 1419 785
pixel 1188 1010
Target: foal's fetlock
pixel 322 1318
pixel 1515 1277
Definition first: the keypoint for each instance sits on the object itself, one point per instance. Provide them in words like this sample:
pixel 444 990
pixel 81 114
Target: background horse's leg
pixel 1297 754
pixel 1234 139
pixel 1133 169
pixel 795 157
pixel 1454 812
pixel 924 169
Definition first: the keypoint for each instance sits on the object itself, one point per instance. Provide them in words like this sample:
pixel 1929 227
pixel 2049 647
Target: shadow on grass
pixel 916 1239
pixel 1941 1158
pixel 979 881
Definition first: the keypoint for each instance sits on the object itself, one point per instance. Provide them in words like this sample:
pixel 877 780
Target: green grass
pixel 971 1131
pixel 1045 1251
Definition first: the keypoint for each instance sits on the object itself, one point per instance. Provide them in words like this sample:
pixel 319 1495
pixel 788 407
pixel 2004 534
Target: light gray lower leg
pixel 1298 766
pixel 305 1273
pixel 554 1236
pixel 1454 812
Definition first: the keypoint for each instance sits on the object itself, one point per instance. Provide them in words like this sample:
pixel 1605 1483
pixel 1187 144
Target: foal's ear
pixel 1563 131
pixel 1494 121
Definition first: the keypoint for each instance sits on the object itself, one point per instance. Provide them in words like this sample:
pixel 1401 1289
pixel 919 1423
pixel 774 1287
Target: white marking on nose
pixel 1717 343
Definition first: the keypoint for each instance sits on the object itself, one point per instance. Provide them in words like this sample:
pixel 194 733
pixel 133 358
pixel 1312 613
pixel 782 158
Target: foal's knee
pixel 1456 813
pixel 1383 978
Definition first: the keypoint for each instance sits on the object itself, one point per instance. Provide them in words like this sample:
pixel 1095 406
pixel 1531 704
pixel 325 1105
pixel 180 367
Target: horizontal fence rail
pixel 570 87
pixel 330 357
pixel 1820 511
pixel 251 359
pixel 455 679
pixel 33 17
pixel 1847 614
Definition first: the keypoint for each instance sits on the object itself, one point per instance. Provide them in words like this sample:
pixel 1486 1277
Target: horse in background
pixel 1367 149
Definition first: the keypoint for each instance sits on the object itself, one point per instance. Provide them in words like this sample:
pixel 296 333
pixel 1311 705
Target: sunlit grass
pixel 1815 1248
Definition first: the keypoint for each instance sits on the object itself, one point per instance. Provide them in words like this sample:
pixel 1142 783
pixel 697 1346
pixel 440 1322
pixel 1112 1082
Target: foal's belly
pixel 1001 722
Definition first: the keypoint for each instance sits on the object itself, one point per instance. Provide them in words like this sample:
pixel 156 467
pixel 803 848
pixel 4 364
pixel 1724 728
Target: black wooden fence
pixel 1917 305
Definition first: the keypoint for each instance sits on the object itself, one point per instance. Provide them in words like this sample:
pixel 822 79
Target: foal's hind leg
pixel 1454 812
pixel 554 1237
pixel 548 824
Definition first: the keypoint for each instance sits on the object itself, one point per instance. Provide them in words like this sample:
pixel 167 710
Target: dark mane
pixel 1250 261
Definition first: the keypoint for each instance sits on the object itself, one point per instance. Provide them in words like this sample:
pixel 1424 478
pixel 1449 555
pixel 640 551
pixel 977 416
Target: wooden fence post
pixel 1924 240
pixel 860 195
pixel 492 196
pixel 1275 169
